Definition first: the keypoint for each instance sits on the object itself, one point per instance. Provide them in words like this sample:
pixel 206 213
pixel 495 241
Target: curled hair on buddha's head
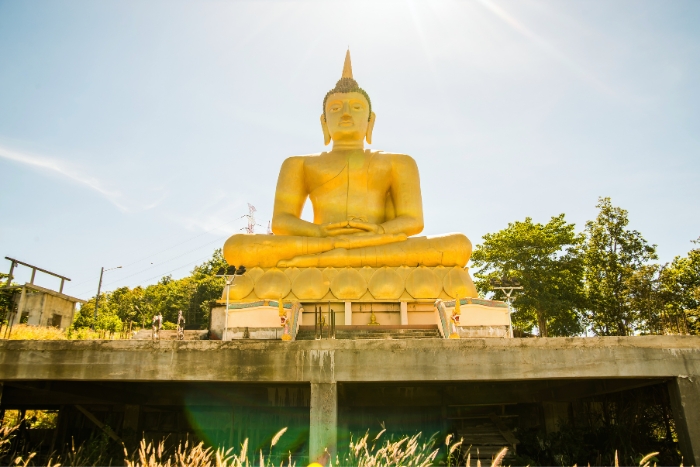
pixel 347 84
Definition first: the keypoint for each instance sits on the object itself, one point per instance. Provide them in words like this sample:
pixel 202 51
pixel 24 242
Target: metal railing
pixel 320 323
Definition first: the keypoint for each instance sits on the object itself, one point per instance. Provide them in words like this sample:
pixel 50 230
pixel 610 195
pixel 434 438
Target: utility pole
pixel 229 274
pixel 97 298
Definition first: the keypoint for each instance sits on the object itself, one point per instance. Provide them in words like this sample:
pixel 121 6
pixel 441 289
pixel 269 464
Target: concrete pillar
pixel 324 421
pixel 348 313
pixel 404 313
pixel 685 402
pixel 21 305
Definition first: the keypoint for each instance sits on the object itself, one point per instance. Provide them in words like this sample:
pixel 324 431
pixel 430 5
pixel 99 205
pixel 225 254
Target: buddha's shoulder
pixel 395 159
pixel 302 158
pixel 393 156
pixel 323 157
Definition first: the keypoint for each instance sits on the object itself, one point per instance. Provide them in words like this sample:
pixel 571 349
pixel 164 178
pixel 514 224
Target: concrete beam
pixel 685 402
pixel 323 434
pixel 504 392
pixel 330 360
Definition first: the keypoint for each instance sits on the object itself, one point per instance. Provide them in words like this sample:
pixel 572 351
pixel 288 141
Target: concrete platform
pixel 325 363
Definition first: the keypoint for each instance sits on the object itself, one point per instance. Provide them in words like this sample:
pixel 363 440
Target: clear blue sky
pixel 135 132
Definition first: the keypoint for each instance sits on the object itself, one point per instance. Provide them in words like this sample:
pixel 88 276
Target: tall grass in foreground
pixel 408 451
pixel 47 333
pixel 44 333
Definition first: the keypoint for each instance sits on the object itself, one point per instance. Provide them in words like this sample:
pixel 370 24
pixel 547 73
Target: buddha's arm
pixel 406 195
pixel 290 197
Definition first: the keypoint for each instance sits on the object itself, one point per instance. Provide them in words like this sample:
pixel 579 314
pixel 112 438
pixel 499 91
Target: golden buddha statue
pixel 367 204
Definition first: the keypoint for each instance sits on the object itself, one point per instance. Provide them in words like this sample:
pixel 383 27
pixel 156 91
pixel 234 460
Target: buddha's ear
pixel 370 128
pixel 326 133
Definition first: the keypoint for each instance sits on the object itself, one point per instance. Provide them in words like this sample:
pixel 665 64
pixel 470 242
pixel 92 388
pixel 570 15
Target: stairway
pixel 373 332
pixel 482 429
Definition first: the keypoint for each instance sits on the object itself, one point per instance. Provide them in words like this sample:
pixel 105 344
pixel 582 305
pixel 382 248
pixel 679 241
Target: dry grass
pixel 36 333
pixel 46 333
pixel 406 452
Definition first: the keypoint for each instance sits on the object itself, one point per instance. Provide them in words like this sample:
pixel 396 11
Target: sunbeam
pixel 546 46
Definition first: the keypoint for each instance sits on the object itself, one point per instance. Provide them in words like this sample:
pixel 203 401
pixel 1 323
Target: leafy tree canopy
pixel 613 254
pixel 547 260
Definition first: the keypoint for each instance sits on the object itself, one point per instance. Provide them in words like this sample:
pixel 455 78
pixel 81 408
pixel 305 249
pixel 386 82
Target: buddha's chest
pixel 353 177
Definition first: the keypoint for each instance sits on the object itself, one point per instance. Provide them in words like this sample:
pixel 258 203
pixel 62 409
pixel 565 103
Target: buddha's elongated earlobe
pixel 326 133
pixel 370 128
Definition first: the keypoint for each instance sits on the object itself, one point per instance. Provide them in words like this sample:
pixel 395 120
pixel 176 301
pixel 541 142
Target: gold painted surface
pixel 423 283
pixel 242 287
pixel 367 204
pixel 386 283
pixel 357 284
pixel 273 285
pixel 458 283
pixel 348 284
pixel 310 284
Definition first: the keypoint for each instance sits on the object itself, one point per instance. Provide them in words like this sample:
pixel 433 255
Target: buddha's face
pixel 347 117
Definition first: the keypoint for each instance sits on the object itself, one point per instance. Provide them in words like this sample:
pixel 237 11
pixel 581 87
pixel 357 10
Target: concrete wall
pixel 260 317
pixel 41 308
pixel 325 362
pixel 353 360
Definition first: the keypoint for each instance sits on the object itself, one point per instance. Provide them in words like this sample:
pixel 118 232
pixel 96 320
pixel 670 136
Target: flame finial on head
pixel 347 66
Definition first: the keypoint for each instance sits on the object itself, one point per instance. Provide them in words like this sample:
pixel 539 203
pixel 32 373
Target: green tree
pixel 122 303
pixel 680 285
pixel 613 254
pixel 6 298
pixel 547 261
pixel 193 295
pixel 648 298
pixel 85 316
pixel 208 288
pixel 109 322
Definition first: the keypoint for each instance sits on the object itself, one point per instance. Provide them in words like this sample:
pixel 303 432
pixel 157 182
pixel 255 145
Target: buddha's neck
pixel 348 145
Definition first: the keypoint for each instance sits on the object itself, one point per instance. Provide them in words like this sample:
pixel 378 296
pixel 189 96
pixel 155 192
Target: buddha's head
pixel 347 111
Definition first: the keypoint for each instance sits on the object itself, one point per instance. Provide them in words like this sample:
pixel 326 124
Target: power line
pixel 157 265
pixel 73 286
pixel 178 244
pixel 176 269
pixel 250 229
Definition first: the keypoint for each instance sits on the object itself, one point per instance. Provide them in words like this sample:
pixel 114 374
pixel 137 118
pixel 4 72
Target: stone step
pixel 171 335
pixel 372 332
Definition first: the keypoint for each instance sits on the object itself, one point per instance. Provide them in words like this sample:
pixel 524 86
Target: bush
pixel 110 323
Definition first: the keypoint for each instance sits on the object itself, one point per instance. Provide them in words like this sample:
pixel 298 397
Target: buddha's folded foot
pixel 359 241
pixel 329 258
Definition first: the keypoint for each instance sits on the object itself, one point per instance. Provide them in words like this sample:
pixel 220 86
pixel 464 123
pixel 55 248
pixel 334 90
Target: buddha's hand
pixel 366 228
pixel 334 229
pixel 349 242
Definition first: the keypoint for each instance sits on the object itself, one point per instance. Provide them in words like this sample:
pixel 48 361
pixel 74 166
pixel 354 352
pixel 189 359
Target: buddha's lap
pixel 268 250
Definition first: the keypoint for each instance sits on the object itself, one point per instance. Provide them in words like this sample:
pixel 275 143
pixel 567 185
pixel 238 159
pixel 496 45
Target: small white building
pixel 39 306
